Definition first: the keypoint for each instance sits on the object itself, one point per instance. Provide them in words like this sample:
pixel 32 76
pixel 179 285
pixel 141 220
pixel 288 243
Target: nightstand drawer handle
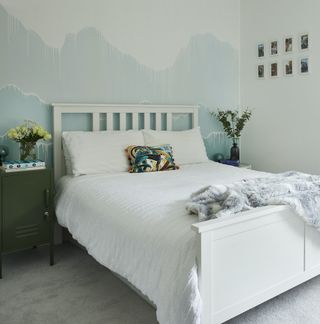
pixel 47 216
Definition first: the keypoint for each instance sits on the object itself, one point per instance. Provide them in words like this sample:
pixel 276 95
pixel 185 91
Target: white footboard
pixel 251 258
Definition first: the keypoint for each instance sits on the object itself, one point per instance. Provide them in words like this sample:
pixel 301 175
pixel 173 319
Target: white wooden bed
pixel 243 261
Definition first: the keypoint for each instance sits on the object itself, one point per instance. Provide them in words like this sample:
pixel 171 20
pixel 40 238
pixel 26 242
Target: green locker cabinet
pixel 26 211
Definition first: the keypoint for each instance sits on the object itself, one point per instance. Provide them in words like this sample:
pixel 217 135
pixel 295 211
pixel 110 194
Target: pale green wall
pixel 88 69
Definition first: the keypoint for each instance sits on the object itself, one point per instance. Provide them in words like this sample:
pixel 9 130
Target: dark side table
pixel 26 211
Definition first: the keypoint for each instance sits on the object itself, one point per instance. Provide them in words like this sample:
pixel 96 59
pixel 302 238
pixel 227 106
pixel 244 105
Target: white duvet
pixel 137 226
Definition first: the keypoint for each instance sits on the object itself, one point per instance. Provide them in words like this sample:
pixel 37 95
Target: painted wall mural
pixel 87 68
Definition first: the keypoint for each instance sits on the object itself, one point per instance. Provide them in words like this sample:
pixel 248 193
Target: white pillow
pixel 188 146
pixel 99 152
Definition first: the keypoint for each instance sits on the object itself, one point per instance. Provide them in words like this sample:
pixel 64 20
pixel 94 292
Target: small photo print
pixel 260 50
pixel 274 48
pixel 304 65
pixel 274 70
pixel 304 42
pixel 260 71
pixel 288 67
pixel 288 44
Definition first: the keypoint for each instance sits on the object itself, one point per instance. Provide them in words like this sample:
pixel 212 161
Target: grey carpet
pixel 77 290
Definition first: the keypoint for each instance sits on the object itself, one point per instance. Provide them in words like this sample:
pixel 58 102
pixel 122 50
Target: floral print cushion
pixel 150 158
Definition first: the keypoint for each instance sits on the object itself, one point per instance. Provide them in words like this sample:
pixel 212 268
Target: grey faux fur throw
pixel 299 190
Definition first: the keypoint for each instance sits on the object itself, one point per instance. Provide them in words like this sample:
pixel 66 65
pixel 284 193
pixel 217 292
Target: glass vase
pixel 28 151
pixel 235 152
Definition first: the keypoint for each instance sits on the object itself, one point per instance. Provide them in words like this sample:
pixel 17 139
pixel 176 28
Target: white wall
pixel 284 131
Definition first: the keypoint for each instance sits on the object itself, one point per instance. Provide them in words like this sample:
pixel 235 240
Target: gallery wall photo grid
pixel 283 57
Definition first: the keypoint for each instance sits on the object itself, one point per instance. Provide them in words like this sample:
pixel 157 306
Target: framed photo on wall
pixel 288 67
pixel 288 45
pixel 274 70
pixel 304 65
pixel 274 48
pixel 304 42
pixel 260 50
pixel 260 71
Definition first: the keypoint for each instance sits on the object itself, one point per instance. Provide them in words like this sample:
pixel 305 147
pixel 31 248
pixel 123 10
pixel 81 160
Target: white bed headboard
pixel 109 110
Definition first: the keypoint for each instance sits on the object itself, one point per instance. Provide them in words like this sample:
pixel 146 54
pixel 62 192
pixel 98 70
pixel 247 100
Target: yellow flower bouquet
pixel 27 135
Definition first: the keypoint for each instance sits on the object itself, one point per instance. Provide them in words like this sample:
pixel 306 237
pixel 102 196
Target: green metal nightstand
pixel 26 211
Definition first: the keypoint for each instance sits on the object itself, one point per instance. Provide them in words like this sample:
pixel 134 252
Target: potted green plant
pixel 27 135
pixel 233 123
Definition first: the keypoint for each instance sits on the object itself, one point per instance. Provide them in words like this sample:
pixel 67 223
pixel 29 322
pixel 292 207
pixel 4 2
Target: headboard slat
pixel 169 121
pixel 96 121
pixel 158 121
pixel 123 121
pixel 109 116
pixel 109 110
pixel 195 118
pixel 146 120
pixel 135 121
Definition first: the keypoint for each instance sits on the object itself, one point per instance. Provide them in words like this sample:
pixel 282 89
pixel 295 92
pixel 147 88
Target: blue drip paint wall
pixel 88 69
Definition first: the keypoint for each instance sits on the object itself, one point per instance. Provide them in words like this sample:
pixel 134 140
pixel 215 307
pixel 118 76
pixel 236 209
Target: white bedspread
pixel 137 226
